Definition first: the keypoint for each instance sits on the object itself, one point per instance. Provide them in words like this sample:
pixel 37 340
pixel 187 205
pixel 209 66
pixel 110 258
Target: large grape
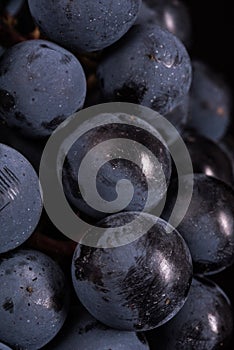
pixel 149 66
pixel 134 164
pixel 138 286
pixel 84 25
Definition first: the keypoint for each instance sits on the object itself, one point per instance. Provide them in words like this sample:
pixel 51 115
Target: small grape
pixel 41 84
pixel 33 299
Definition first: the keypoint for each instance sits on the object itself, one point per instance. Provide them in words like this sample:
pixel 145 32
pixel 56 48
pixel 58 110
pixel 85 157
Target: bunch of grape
pixel 166 287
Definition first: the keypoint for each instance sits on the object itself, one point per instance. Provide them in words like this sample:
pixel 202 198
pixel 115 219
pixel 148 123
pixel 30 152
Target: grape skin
pixel 138 286
pixel 149 66
pixel 171 15
pixel 41 84
pixel 205 321
pixel 20 199
pixel 208 225
pixel 33 299
pixel 82 331
pixel 208 157
pixel 210 102
pixel 4 347
pixel 117 169
pixel 82 26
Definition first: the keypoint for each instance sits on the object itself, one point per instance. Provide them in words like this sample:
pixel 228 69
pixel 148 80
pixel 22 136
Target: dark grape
pixel 13 7
pixel 33 299
pixel 20 199
pixel 82 331
pixel 205 321
pixel 4 347
pixel 208 226
pixel 81 25
pixel 146 14
pixel 40 85
pixel 149 66
pixel 210 105
pixel 172 15
pixel 209 158
pixel 138 286
pixel 118 169
pixel 179 115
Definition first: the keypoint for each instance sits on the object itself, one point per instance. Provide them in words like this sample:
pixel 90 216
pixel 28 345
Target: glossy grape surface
pixel 138 286
pixel 205 321
pixel 208 226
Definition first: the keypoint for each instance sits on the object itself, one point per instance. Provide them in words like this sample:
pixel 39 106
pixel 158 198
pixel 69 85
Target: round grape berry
pixel 208 226
pixel 33 299
pixel 205 321
pixel 41 84
pixel 138 286
pixel 84 25
pixel 149 66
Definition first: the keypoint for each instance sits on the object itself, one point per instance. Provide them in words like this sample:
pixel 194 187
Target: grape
pixel 169 14
pixel 138 286
pixel 4 347
pixel 208 226
pixel 209 158
pixel 14 6
pixel 179 115
pixel 33 299
pixel 81 25
pixel 82 331
pixel 118 169
pixel 20 200
pixel 205 321
pixel 114 49
pixel 40 85
pixel 210 102
pixel 149 66
pixel 146 14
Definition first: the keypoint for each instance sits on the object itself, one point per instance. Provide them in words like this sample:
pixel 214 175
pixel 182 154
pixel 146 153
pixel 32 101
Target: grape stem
pixel 56 248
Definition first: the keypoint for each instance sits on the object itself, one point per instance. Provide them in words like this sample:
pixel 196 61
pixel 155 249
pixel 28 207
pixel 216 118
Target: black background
pixel 212 42
pixel 212 34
